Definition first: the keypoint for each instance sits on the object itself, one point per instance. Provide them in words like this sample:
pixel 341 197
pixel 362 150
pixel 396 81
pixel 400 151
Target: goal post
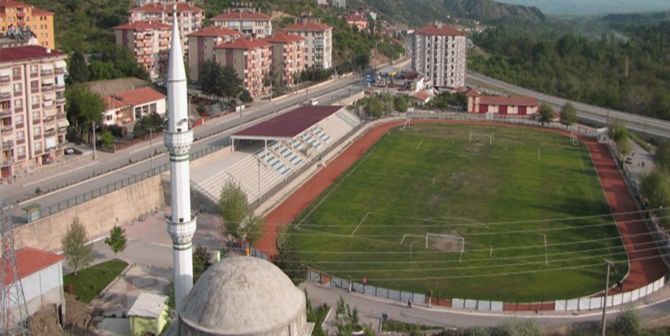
pixel 475 136
pixel 445 242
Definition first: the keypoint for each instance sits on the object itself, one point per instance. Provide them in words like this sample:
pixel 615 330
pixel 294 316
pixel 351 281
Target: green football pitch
pixel 439 207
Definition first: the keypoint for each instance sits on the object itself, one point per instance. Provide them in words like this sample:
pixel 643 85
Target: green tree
pixel 374 107
pixel 252 229
pixel 117 240
pixel 84 109
pixel 77 68
pixel 233 208
pixel 245 97
pixel 232 84
pixel 146 125
pixel 107 139
pixel 655 188
pixel 211 79
pixel 626 323
pixel 662 156
pixel 75 250
pixel 201 262
pixel 568 114
pixel 619 133
pixel 287 258
pixel 400 103
pixel 546 113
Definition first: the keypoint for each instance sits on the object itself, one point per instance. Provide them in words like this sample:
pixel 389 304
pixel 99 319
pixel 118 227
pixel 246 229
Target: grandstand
pixel 264 155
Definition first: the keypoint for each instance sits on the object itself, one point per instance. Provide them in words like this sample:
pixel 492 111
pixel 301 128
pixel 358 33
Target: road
pixel 109 168
pixel 594 114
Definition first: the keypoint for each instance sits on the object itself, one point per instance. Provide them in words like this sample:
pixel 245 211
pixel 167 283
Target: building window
pixel 38 146
pixel 36 116
pixel 35 100
pixel 18 119
pixel 17 87
pixel 21 151
pixel 34 86
pixel 18 103
pixel 153 108
pixel 20 135
pixel 37 130
pixel 109 117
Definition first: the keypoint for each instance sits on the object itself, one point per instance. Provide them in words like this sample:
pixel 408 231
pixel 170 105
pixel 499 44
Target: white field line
pixel 584 171
pixel 417 146
pixel 359 224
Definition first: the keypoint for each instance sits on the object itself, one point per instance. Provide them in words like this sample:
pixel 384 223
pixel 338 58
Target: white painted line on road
pixel 59 174
pixel 139 149
pixel 162 245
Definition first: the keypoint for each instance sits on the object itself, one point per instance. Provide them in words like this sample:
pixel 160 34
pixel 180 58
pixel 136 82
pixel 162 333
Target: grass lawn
pixel 403 213
pixel 89 282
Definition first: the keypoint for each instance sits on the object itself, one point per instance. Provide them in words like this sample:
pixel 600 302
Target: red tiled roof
pixel 30 261
pixel 282 37
pixel 243 43
pixel 27 53
pixel 12 4
pixel 113 102
pixel 37 11
pixel 290 124
pixel 241 15
pixel 439 29
pixel 159 8
pixel 472 93
pixel 307 26
pixel 140 96
pixel 143 25
pixel 355 18
pixel 213 31
pixel 421 95
pixel 509 101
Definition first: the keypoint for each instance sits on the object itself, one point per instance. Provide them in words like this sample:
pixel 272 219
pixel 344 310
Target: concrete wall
pixel 44 288
pixel 98 215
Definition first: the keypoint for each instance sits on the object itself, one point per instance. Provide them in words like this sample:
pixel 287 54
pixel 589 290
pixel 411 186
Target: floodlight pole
pixel 607 286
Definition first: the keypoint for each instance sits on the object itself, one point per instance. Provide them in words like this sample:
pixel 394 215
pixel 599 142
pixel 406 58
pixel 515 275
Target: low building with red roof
pixel 190 17
pixel 150 41
pixel 251 58
pixel 477 103
pixel 248 21
pixel 422 97
pixel 201 45
pixel 287 57
pixel 41 276
pixel 131 105
pixel 358 21
pixel 440 54
pixel 318 42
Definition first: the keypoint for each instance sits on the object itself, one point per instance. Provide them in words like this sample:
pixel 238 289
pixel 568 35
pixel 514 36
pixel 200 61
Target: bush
pixel 627 323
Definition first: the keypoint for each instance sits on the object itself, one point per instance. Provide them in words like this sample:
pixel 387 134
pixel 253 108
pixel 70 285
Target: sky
pixel 593 7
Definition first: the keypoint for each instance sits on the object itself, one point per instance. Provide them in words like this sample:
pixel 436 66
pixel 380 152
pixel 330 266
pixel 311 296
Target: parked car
pixel 629 160
pixel 69 151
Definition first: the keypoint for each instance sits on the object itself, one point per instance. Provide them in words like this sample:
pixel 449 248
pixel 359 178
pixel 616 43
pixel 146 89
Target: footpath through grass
pixel 523 219
pixel 89 282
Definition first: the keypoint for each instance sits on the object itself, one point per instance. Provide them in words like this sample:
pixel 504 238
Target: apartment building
pixel 247 21
pixel 287 57
pixel 151 43
pixel 251 58
pixel 16 16
pixel 201 44
pixel 318 42
pixel 439 52
pixel 338 3
pixel 32 107
pixel 190 17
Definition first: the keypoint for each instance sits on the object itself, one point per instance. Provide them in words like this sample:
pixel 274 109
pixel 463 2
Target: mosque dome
pixel 244 296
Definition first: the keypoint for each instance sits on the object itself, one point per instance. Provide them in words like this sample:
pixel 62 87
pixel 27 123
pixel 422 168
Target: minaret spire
pixel 178 139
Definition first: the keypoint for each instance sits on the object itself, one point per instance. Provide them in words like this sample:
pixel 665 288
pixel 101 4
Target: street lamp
pixel 607 287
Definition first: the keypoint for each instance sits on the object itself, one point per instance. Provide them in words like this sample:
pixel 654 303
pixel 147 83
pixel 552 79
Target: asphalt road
pixel 594 114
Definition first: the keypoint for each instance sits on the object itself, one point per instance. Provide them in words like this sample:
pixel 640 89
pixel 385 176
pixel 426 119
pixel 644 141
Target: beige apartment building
pixel 251 58
pixel 287 57
pixel 190 17
pixel 150 41
pixel 318 42
pixel 32 107
pixel 17 14
pixel 247 21
pixel 439 52
pixel 201 44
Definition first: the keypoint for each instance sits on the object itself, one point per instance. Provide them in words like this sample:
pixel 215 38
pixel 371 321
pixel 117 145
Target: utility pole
pixel 13 300
pixel 93 131
pixel 607 287
pixel 151 146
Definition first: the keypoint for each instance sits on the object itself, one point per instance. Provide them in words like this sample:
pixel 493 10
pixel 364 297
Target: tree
pixel 201 262
pixel 619 134
pixel 211 78
pixel 568 114
pixel 626 323
pixel 546 113
pixel 107 139
pixel 374 107
pixel 655 188
pixel 400 103
pixel 77 68
pixel 153 122
pixel 84 108
pixel 75 250
pixel 233 208
pixel 245 97
pixel 252 229
pixel 662 156
pixel 117 240
pixel 232 85
pixel 287 258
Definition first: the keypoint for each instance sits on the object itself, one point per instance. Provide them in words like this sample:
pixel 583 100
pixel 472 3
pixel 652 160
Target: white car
pixel 312 102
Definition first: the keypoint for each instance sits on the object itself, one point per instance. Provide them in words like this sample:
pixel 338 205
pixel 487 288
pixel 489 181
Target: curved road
pixel 594 114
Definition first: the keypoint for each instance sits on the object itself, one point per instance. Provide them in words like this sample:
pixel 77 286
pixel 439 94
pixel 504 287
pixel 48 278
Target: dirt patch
pixel 45 322
pixel 78 316
pixel 279 15
pixel 446 243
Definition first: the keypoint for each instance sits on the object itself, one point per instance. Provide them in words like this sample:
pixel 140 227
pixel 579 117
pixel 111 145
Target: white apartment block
pixel 318 42
pixel 439 52
pixel 248 21
pixel 190 17
pixel 32 107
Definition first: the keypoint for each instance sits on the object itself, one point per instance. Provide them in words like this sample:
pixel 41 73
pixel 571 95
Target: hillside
pixel 419 12
pixel 593 7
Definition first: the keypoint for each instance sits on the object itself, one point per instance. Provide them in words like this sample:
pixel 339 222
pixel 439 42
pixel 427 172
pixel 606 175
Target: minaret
pixel 178 139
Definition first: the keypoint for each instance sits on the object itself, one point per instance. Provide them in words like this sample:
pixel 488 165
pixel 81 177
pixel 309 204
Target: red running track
pixel 646 264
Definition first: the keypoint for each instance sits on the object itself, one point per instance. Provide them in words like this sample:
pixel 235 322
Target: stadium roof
pixel 288 125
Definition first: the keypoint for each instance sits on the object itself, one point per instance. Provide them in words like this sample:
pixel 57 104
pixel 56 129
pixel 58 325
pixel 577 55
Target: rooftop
pixel 290 124
pixel 140 96
pixel 31 52
pixel 143 25
pixel 243 43
pixel 509 101
pixel 213 31
pixel 307 26
pixel 439 28
pixel 30 261
pixel 241 15
pixel 282 37
pixel 148 305
pixel 160 8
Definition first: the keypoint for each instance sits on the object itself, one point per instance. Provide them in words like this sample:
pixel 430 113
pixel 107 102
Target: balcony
pixel 139 43
pixel 59 71
pixel 8 144
pixel 48 87
pixel 5 79
pixel 7 129
pixel 37 136
pixel 50 132
pixel 62 130
pixel 5 95
pixel 60 101
pixel 5 113
pixel 61 115
pixel 5 163
pixel 21 157
pixel 60 86
pixel 20 14
pixel 38 151
pixel 47 72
